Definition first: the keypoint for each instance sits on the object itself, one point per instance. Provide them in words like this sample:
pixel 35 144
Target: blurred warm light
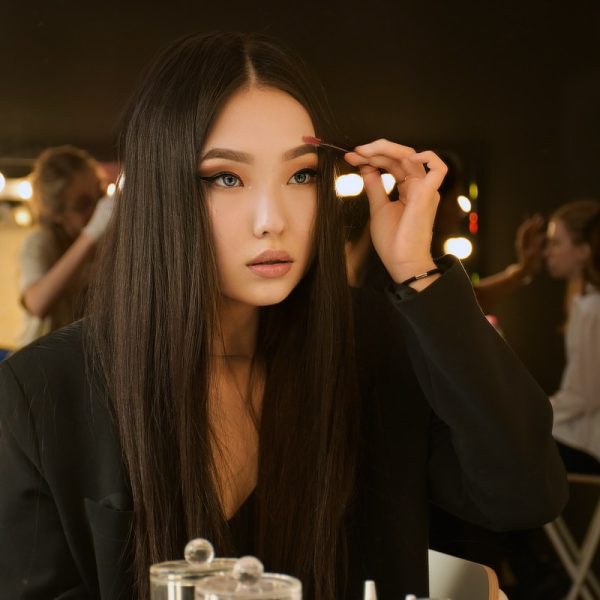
pixel 121 181
pixel 464 203
pixel 22 216
pixel 352 184
pixel 349 185
pixel 473 190
pixel 473 223
pixel 111 189
pixel 461 247
pixel 24 189
pixel 2 182
pixel 388 182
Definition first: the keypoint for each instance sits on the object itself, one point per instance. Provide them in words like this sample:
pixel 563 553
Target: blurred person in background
pixel 573 254
pixel 69 198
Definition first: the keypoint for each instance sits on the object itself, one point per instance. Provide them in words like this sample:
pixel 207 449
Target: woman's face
pixel 261 190
pixel 564 259
pixel 80 197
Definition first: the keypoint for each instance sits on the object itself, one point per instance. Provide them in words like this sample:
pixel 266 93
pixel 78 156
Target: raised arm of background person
pixel 529 245
pixel 39 297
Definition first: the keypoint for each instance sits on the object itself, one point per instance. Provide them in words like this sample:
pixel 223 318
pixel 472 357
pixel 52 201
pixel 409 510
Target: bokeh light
pixel 24 190
pixel 460 247
pixel 464 203
pixel 22 216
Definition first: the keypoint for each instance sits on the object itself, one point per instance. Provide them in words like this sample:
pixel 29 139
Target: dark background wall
pixel 514 87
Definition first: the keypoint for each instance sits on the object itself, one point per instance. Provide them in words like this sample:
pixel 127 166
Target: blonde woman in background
pixel 69 198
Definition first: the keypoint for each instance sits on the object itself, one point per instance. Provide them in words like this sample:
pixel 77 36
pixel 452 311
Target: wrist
pixel 403 271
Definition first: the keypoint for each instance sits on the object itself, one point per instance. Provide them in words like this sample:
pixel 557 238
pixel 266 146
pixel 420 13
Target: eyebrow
pixel 244 157
pixel 299 151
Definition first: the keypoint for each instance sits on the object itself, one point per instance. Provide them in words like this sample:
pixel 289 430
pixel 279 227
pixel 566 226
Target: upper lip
pixel 269 256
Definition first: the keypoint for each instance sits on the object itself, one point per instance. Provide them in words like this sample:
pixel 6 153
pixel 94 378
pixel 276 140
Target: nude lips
pixel 271 271
pixel 271 264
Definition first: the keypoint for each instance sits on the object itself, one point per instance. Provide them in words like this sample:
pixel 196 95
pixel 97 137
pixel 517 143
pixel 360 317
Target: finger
pixel 382 153
pixel 437 167
pixel 374 188
pixel 400 170
pixel 386 148
pixel 355 159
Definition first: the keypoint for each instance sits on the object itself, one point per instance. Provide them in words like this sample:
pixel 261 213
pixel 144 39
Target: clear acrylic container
pixel 177 579
pixel 247 581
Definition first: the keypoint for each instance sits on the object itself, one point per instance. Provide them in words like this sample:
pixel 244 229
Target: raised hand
pixel 401 231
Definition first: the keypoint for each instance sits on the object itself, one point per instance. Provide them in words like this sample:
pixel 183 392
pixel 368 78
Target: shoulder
pixel 41 238
pixel 39 250
pixel 56 357
pixel 586 308
pixel 42 381
pixel 590 302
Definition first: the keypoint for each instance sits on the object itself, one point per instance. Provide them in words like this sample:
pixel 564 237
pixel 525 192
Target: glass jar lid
pixel 248 581
pixel 199 562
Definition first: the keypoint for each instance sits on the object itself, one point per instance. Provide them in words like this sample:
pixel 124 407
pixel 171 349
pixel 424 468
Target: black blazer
pixel 449 415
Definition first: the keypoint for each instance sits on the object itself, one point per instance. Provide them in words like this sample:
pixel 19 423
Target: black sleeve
pixel 493 460
pixel 35 561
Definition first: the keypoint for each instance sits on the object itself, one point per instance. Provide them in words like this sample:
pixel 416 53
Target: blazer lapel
pixel 112 529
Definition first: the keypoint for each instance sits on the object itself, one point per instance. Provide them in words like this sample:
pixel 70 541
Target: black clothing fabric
pixel 449 415
pixel 578 461
pixel 242 528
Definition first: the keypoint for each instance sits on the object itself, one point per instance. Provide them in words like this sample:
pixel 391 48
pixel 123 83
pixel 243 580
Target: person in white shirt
pixel 573 253
pixel 55 259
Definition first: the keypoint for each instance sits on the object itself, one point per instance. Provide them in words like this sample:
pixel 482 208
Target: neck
pixel 239 327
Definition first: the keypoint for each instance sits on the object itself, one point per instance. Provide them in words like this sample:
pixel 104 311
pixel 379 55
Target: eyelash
pixel 211 180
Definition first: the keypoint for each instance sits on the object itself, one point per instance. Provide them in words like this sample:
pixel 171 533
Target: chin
pixel 271 299
pixel 260 298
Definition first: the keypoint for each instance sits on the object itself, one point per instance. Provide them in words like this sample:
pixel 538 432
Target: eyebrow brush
pixel 315 141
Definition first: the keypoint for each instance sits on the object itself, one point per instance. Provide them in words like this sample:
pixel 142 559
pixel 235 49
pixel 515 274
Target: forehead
pixel 558 230
pixel 256 119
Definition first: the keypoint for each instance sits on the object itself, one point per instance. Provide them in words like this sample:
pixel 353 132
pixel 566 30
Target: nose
pixel 269 214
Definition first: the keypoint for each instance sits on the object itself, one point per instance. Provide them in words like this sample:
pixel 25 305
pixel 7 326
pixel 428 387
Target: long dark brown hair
pixel 154 316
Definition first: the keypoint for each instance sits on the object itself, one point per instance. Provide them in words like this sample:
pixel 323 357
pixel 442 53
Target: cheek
pixel 76 222
pixel 223 228
pixel 305 233
pixel 304 214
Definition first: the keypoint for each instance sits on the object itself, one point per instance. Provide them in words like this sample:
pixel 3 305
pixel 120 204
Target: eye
pixel 226 180
pixel 303 177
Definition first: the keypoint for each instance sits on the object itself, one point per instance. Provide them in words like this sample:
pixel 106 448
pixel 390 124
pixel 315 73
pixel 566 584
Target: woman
pixel 55 259
pixel 219 389
pixel 572 254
